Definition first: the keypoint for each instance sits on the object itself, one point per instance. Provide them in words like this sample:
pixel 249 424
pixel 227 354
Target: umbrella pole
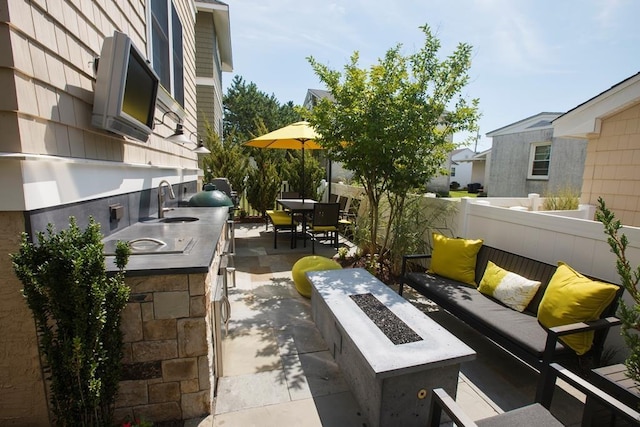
pixel 302 190
pixel 329 181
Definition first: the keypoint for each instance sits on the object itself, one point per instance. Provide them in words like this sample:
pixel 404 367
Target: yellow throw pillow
pixel 570 298
pixel 511 289
pixel 455 258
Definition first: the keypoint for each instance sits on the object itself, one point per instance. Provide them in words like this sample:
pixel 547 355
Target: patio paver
pixel 279 372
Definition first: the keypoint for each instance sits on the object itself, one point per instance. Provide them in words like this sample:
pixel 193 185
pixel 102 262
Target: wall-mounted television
pixel 126 89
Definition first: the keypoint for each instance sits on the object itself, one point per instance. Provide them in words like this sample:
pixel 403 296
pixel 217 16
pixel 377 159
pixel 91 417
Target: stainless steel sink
pixel 178 219
pixel 152 245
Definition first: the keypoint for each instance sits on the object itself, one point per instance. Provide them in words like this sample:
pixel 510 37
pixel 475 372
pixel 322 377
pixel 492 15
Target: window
pixel 453 171
pixel 539 160
pixel 166 47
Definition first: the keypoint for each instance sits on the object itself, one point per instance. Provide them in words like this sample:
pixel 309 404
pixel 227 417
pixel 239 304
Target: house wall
pixel 478 172
pixel 440 183
pixel 208 75
pixel 23 401
pixel 463 169
pixel 510 164
pixel 612 164
pixel 487 170
pixel 54 163
pixel 567 165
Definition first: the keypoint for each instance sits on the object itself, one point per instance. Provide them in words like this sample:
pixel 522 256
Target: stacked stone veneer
pixel 168 348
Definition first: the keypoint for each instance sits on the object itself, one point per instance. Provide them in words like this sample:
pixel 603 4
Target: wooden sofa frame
pixel 428 284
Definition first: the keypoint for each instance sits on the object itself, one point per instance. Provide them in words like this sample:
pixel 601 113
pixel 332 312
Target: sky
pixel 529 56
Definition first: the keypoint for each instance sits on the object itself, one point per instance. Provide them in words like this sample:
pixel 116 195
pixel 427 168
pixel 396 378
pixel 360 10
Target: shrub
pixel 565 199
pixel 77 309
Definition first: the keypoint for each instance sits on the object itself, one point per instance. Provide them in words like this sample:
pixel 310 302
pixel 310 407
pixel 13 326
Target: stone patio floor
pixel 278 370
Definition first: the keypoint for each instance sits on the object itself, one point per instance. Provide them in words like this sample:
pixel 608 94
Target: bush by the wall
pixel 77 310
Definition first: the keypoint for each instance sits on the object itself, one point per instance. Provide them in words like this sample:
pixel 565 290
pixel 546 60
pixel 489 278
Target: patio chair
pixel 290 195
pixel 343 206
pixel 325 221
pixel 281 220
pixel 534 414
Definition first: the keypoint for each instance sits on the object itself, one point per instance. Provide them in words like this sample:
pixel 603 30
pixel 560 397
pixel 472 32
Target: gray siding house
pixel 526 158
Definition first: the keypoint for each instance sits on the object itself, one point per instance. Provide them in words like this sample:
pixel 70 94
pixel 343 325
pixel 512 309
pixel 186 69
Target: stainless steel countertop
pixel 204 233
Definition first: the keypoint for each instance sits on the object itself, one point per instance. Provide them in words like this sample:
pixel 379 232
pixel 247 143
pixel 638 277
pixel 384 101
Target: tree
pixel 264 182
pixel 246 108
pixel 225 160
pixel 392 124
pixel 291 171
pixel 249 113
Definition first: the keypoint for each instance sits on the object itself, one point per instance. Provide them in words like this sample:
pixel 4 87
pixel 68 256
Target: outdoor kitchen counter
pixel 167 325
pixel 202 241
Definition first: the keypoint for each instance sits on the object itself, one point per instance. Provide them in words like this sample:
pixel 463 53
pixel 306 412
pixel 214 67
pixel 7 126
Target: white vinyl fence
pixel 517 225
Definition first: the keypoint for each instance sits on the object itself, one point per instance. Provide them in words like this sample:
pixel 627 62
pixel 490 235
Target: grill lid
pixel 210 197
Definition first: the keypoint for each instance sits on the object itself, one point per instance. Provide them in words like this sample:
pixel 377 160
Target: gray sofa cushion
pixel 477 309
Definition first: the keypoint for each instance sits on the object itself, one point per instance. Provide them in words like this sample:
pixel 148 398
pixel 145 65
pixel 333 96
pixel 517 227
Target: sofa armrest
pixel 593 325
pixel 406 258
pixel 546 380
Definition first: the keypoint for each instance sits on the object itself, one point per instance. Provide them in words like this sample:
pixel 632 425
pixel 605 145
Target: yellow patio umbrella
pixel 296 136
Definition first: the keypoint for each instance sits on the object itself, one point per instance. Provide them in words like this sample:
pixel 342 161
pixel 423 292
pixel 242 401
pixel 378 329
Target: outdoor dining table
pixel 304 207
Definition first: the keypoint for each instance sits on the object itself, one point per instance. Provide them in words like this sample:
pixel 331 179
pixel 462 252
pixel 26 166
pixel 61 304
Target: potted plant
pixel 77 310
pixel 629 278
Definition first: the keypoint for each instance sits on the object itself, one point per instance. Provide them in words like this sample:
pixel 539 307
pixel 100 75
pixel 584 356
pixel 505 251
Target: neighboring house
pixel 54 163
pixel 314 96
pixel 527 158
pixel 480 167
pixel 461 169
pixel 610 121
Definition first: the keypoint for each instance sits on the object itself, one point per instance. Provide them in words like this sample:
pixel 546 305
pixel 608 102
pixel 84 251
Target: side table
pixel 612 380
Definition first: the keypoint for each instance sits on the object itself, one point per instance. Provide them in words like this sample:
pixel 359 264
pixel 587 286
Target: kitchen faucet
pixel 161 208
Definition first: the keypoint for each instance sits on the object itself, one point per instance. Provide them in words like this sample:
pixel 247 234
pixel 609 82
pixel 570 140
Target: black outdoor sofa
pixel 519 333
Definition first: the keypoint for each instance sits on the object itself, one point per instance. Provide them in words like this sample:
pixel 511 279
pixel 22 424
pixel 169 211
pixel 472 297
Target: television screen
pixel 139 91
pixel 126 89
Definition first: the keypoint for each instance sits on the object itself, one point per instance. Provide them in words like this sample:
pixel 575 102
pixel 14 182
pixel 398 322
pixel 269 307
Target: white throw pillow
pixel 509 288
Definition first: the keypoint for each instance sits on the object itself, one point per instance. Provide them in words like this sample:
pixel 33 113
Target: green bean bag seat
pixel 310 263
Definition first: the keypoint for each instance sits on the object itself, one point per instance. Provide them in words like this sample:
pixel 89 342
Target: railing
pixel 244 205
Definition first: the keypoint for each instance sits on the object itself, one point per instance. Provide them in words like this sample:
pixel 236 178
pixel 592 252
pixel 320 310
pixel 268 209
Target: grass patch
pixel 461 194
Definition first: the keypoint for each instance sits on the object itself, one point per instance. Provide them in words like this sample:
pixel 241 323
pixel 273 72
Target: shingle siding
pixel 208 69
pixel 47 80
pixel 205 45
pixel 612 164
